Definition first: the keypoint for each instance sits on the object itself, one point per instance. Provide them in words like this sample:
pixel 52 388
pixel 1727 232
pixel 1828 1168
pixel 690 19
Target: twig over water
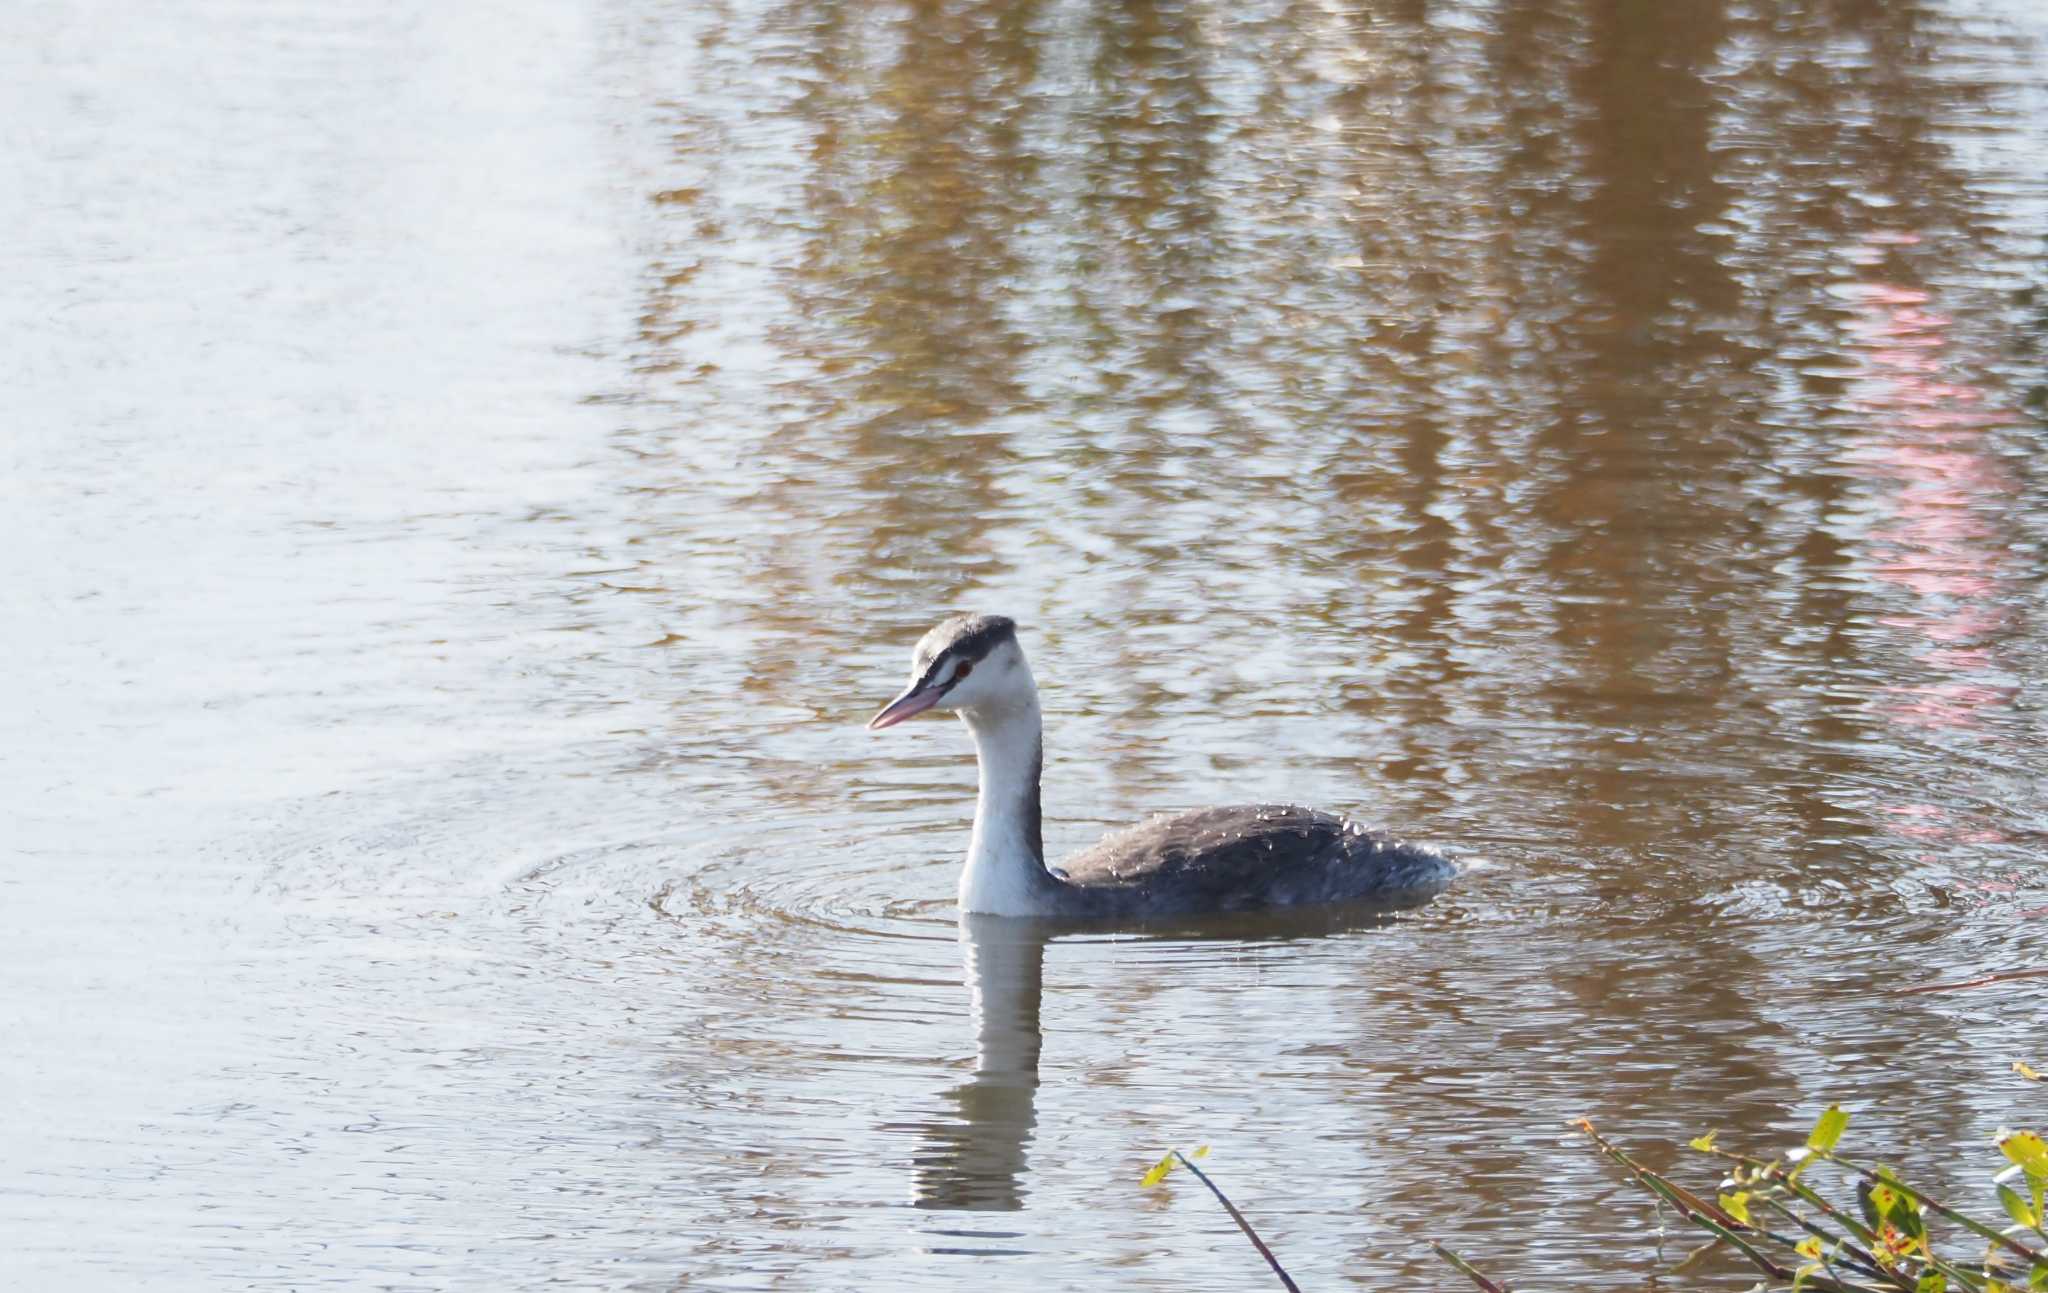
pixel 1246 1226
pixel 1485 1284
pixel 1983 981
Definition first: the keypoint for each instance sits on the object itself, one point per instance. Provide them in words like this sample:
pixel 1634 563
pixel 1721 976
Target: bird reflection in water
pixel 973 1161
pixel 973 1157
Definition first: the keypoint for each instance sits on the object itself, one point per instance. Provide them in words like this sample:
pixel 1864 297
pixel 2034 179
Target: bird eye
pixel 966 667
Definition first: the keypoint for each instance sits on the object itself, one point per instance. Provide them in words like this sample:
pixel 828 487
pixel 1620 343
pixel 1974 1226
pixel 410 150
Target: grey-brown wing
pixel 1247 858
pixel 1241 840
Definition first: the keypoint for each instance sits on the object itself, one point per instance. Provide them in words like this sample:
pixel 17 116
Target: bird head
pixel 966 662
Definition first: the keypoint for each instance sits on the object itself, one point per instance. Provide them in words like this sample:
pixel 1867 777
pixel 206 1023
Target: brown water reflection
pixel 1601 437
pixel 1527 421
pixel 1528 405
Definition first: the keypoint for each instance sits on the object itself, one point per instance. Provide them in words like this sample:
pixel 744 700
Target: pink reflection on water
pixel 1925 437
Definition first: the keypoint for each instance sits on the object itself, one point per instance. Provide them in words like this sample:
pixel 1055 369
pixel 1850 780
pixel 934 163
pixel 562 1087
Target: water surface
pixel 471 473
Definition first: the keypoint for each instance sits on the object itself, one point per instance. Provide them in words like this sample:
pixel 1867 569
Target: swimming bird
pixel 1249 857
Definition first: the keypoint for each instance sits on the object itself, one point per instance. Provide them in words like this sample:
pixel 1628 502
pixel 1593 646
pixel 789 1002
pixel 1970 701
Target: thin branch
pixel 1689 1205
pixel 1487 1285
pixel 1858 1258
pixel 1983 982
pixel 1815 1199
pixel 1246 1226
pixel 1710 1218
pixel 1694 1257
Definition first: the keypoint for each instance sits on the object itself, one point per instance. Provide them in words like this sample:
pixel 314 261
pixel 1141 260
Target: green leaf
pixel 1905 1214
pixel 1931 1282
pixel 2016 1207
pixel 2028 1150
pixel 1872 1218
pixel 1736 1205
pixel 1158 1172
pixel 1704 1144
pixel 1203 1152
pixel 2029 1153
pixel 1828 1131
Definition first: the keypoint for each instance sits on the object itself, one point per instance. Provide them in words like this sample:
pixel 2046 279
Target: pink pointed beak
pixel 910 704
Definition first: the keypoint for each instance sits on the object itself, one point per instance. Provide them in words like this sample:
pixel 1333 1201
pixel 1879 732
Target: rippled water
pixel 471 471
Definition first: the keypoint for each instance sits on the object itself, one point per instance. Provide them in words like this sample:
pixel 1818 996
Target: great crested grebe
pixel 1247 858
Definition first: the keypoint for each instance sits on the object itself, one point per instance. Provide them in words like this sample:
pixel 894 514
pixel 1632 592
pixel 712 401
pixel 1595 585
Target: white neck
pixel 1006 873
